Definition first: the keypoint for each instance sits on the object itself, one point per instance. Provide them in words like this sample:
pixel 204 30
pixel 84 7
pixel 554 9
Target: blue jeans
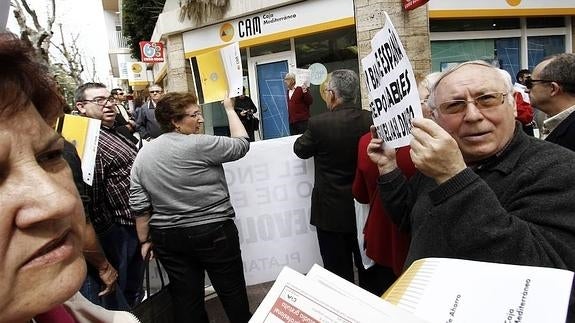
pixel 122 248
pixel 93 285
pixel 186 252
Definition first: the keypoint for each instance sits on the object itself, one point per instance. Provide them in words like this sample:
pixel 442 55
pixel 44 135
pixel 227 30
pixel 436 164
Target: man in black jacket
pixel 484 190
pixel 332 138
pixel 552 90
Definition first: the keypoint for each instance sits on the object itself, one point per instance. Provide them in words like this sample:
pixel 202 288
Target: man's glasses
pixel 154 92
pixel 529 82
pixel 120 93
pixel 101 100
pixel 484 101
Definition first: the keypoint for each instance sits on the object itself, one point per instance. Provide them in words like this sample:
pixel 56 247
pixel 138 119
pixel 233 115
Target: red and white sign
pixel 152 52
pixel 412 4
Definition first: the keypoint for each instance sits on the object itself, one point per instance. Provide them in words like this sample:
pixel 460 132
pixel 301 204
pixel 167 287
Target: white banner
pixel 270 189
pixel 392 90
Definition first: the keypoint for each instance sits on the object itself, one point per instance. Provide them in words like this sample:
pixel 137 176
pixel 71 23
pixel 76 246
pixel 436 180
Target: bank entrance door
pixel 268 72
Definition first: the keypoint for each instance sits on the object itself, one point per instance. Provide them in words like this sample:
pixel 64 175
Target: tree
pixel 38 36
pixel 64 60
pixel 201 10
pixel 138 21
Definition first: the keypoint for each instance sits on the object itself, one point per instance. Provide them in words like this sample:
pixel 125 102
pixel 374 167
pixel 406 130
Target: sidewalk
pixel 256 294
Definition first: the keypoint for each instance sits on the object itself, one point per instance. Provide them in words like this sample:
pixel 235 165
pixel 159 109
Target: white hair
pixel 505 77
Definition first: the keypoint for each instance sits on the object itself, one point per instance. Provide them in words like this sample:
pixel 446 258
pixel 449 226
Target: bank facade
pixel 279 36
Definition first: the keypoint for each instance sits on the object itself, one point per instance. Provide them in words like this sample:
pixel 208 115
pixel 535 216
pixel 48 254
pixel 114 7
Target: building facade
pixel 513 34
pixel 278 36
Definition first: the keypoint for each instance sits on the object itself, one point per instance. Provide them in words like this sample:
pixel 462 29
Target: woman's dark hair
pixel 172 107
pixel 25 80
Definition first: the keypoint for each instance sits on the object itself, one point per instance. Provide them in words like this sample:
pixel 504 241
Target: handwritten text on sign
pixel 392 91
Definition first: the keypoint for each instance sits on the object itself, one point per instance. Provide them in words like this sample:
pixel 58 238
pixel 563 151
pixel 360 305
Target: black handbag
pixel 157 308
pixel 256 123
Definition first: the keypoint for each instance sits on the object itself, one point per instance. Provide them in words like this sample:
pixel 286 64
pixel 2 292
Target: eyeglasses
pixel 529 82
pixel 101 100
pixel 484 101
pixel 120 93
pixel 154 92
pixel 195 115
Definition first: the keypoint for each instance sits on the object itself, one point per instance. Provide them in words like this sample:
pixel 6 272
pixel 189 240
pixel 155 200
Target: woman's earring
pixel 178 129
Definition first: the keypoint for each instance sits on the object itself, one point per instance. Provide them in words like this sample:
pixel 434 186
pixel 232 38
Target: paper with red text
pixel 324 298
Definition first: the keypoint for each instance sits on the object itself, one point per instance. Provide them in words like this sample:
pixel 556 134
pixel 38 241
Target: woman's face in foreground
pixel 41 219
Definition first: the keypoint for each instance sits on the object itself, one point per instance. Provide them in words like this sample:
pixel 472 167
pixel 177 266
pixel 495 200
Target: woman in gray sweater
pixel 179 190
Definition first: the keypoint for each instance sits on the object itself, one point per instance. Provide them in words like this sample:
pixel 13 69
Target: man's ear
pixel 555 89
pixel 80 107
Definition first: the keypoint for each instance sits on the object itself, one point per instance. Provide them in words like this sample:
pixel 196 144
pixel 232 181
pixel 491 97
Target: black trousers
pixel 186 252
pixel 297 128
pixel 340 250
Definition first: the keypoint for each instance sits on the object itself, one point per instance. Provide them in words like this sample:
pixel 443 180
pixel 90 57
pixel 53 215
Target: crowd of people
pixel 473 184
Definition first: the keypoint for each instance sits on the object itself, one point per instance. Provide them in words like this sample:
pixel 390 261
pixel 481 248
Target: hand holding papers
pixel 220 73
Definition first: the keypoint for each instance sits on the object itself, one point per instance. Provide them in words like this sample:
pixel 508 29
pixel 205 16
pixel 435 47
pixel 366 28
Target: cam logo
pixel 226 32
pixel 136 68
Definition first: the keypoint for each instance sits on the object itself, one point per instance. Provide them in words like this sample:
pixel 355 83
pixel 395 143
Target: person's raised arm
pixel 236 127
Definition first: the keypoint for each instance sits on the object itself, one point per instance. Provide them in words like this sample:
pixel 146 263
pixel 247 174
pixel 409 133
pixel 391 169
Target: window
pixel 270 48
pixel 542 46
pixel 473 24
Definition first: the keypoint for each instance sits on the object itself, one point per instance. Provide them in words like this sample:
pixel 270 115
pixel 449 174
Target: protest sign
pixel 220 73
pixel 392 90
pixel 270 189
pixel 84 134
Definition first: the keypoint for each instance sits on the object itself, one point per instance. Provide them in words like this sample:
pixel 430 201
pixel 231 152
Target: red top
pixel 56 315
pixel 384 243
pixel 298 105
pixel 524 109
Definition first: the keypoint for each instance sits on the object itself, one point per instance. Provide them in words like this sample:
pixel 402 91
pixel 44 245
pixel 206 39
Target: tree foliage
pixel 201 10
pixel 138 20
pixel 65 60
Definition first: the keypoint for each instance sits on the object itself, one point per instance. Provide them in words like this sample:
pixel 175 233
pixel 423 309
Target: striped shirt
pixel 111 186
pixel 180 179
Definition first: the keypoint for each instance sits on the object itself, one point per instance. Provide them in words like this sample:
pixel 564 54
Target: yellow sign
pixel 226 32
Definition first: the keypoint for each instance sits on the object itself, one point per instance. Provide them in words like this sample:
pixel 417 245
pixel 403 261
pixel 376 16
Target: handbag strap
pixel 147 272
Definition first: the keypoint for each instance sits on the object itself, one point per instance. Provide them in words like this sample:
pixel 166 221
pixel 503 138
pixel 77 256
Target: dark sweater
pixel 517 208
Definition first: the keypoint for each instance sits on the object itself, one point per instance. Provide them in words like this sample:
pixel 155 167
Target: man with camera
pixel 245 108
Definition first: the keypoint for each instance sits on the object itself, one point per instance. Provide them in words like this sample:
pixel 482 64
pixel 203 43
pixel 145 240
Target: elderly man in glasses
pixel 484 189
pixel 146 123
pixel 552 90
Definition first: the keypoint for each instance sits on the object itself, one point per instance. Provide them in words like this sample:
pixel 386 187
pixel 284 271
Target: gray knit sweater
pixel 517 208
pixel 180 179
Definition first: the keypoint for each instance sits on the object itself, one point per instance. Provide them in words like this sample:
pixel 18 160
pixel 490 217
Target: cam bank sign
pixel 270 189
pixel 299 19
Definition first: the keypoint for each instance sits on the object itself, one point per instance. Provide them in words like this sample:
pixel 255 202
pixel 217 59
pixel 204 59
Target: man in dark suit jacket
pixel 552 90
pixel 332 138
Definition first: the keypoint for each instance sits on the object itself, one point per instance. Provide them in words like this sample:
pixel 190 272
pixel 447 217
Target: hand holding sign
pixel 434 152
pixel 381 154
